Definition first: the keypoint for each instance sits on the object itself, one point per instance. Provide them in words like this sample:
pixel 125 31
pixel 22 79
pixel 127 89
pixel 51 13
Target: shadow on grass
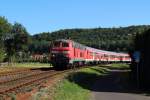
pixel 105 81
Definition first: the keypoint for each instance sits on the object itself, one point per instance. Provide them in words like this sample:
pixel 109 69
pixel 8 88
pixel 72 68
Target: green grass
pixel 77 85
pixel 30 65
pixel 70 91
pixel 119 66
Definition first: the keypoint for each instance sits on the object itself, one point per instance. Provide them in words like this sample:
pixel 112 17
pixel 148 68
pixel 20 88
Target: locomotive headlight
pixel 65 52
pixel 55 51
pixel 53 55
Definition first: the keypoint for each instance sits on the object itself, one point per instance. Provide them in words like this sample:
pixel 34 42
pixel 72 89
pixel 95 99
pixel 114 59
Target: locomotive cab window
pixel 57 44
pixel 64 44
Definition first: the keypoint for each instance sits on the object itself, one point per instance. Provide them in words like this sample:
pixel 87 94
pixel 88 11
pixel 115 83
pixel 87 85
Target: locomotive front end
pixel 60 54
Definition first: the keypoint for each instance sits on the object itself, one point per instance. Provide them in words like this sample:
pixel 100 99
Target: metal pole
pixel 138 82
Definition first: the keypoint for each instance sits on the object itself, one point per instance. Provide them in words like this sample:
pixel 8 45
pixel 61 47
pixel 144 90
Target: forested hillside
pixel 113 39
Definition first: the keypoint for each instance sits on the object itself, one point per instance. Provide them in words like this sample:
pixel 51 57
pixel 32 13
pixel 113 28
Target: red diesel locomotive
pixel 67 53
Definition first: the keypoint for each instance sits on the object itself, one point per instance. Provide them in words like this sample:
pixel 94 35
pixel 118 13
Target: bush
pixel 142 44
pixel 2 55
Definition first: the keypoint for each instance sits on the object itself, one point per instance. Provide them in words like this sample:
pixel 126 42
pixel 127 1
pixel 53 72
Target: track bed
pixel 16 80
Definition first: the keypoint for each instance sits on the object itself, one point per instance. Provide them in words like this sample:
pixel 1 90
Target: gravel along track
pixel 12 82
pixel 7 71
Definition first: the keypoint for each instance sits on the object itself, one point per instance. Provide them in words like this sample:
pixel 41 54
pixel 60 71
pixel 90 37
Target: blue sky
pixel 51 15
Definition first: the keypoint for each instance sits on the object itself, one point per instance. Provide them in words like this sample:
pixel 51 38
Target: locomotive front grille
pixel 59 60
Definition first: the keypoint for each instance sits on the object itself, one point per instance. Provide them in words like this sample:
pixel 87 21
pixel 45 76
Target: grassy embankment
pixel 77 85
pixel 13 67
pixel 30 65
pixel 119 66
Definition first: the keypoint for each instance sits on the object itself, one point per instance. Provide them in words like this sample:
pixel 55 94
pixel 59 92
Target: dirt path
pixel 115 87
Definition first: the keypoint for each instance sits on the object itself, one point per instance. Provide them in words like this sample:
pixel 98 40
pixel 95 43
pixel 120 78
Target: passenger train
pixel 68 53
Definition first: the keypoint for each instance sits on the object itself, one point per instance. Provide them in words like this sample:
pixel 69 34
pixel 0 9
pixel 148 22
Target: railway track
pixel 21 80
pixel 11 82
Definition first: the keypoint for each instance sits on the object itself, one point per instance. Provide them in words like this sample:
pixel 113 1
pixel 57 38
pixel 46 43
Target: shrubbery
pixel 142 45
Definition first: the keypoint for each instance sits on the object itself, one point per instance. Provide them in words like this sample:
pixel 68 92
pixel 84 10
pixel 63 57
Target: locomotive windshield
pixel 57 44
pixel 61 44
pixel 64 44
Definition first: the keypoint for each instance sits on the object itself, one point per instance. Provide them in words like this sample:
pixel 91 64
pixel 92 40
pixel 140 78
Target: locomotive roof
pixel 106 52
pixel 63 40
pixel 78 45
pixel 75 44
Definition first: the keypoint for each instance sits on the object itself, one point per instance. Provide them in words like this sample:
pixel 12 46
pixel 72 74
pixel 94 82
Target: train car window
pixel 91 54
pixel 81 54
pixel 74 52
pixel 57 44
pixel 65 44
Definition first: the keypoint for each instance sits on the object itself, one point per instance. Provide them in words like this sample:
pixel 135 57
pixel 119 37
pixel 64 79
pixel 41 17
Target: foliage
pixel 2 55
pixel 113 39
pixel 39 47
pixel 141 44
pixel 5 27
pixel 13 39
pixel 16 42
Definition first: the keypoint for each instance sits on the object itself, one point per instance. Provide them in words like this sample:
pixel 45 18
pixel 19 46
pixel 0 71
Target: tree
pixel 10 47
pixel 2 54
pixel 141 44
pixel 16 42
pixel 5 27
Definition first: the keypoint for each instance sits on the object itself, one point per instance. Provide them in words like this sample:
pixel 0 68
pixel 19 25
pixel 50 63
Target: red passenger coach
pixel 67 53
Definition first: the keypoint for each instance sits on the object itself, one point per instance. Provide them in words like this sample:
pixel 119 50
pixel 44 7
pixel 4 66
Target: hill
pixel 112 39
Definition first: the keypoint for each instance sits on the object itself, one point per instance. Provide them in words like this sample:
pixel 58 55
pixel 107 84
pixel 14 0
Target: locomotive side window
pixel 81 54
pixel 74 52
pixel 65 44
